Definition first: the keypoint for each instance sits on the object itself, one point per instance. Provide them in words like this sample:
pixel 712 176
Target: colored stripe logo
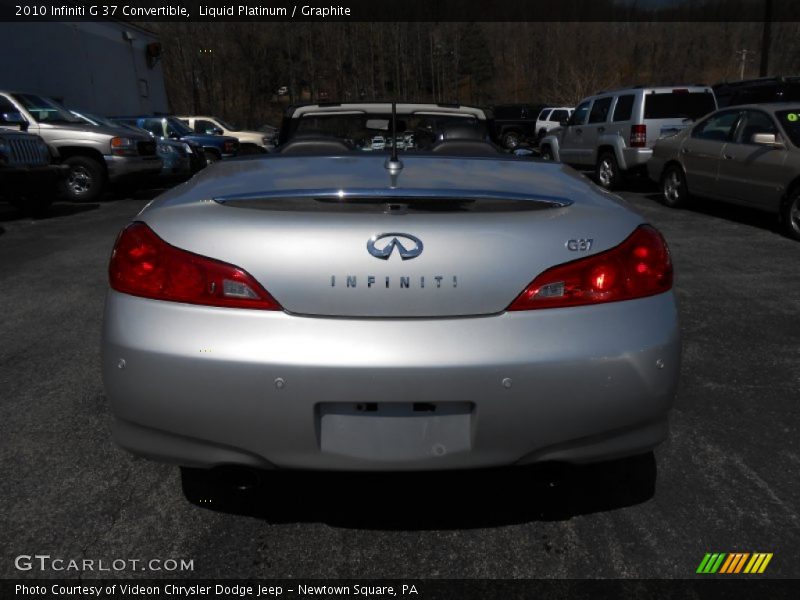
pixel 734 563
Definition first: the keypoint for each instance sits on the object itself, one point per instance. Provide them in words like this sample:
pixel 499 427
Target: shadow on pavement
pixel 58 209
pixel 730 212
pixel 428 500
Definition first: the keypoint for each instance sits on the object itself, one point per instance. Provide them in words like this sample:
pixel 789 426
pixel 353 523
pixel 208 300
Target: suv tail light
pixel 639 267
pixel 142 264
pixel 638 136
pixel 230 147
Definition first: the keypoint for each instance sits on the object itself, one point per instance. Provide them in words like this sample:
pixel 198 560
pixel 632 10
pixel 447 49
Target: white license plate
pixel 395 431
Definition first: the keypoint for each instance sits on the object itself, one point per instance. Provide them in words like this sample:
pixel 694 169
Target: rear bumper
pixel 204 386
pixel 122 167
pixel 635 157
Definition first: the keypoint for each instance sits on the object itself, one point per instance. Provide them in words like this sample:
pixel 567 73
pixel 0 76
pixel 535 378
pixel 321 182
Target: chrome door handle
pixel 601 129
pixel 727 157
pixel 685 151
pixel 579 130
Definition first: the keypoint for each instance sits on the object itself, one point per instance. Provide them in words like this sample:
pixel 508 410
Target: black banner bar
pixel 398 10
pixel 702 588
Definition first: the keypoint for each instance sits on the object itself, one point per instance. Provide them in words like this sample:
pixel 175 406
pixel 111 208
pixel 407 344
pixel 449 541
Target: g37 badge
pixel 580 244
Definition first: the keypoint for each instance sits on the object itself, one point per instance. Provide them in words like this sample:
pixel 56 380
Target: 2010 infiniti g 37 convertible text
pixel 352 313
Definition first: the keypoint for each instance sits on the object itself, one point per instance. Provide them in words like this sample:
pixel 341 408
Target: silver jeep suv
pixel 614 132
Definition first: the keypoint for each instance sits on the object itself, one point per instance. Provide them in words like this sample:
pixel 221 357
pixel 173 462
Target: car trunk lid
pixel 414 253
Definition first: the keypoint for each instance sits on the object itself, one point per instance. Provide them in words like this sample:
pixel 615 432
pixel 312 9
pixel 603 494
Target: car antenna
pixel 394 163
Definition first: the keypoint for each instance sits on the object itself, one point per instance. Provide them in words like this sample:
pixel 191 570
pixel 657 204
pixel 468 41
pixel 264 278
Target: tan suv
pixel 250 142
pixel 748 155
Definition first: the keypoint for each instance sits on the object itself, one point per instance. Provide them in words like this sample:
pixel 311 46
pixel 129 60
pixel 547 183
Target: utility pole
pixel 766 39
pixel 743 54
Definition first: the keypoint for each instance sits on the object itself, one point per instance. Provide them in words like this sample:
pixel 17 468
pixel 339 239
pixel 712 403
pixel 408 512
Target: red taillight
pixel 640 266
pixel 638 136
pixel 230 147
pixel 142 264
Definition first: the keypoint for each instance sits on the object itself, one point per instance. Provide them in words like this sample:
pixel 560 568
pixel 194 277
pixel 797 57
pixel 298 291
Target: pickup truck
pixel 514 124
pixel 96 156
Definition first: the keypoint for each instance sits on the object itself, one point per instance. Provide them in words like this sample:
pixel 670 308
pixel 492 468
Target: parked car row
pixel 747 154
pixel 97 151
pixel 250 142
pixel 96 155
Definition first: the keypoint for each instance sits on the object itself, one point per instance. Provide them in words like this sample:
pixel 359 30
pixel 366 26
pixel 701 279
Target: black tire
pixel 790 215
pixel 547 153
pixel 674 191
pixel 511 139
pixel 211 157
pixel 607 172
pixel 86 179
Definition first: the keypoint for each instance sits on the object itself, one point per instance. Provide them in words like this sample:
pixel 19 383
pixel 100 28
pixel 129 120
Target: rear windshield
pixel 374 131
pixel 678 105
pixel 790 121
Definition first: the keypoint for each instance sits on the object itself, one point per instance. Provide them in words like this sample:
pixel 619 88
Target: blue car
pixel 215 147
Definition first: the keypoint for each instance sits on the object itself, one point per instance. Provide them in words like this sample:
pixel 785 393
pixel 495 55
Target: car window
pixel 543 115
pixel 758 94
pixel 201 126
pixel 790 121
pixel 559 115
pixel 45 109
pixel 718 127
pixel 678 104
pixel 790 92
pixel 506 112
pixel 624 108
pixel 755 122
pixel 414 131
pixel 176 128
pixel 6 108
pixel 579 116
pixel 154 126
pixel 599 113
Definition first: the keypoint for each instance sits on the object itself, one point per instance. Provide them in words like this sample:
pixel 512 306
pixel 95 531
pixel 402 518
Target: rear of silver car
pixel 385 328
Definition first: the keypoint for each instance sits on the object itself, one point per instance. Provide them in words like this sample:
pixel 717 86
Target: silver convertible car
pixel 358 311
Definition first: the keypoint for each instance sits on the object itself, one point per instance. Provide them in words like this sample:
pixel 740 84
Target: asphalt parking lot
pixel 726 481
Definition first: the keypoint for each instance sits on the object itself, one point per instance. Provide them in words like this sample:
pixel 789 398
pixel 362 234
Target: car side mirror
pixel 564 122
pixel 213 131
pixel 766 139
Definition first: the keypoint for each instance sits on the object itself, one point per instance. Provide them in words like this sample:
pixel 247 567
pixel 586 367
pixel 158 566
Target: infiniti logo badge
pixel 407 245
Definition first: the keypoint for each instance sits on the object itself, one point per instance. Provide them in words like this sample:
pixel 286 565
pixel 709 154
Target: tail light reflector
pixel 142 264
pixel 638 136
pixel 640 266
